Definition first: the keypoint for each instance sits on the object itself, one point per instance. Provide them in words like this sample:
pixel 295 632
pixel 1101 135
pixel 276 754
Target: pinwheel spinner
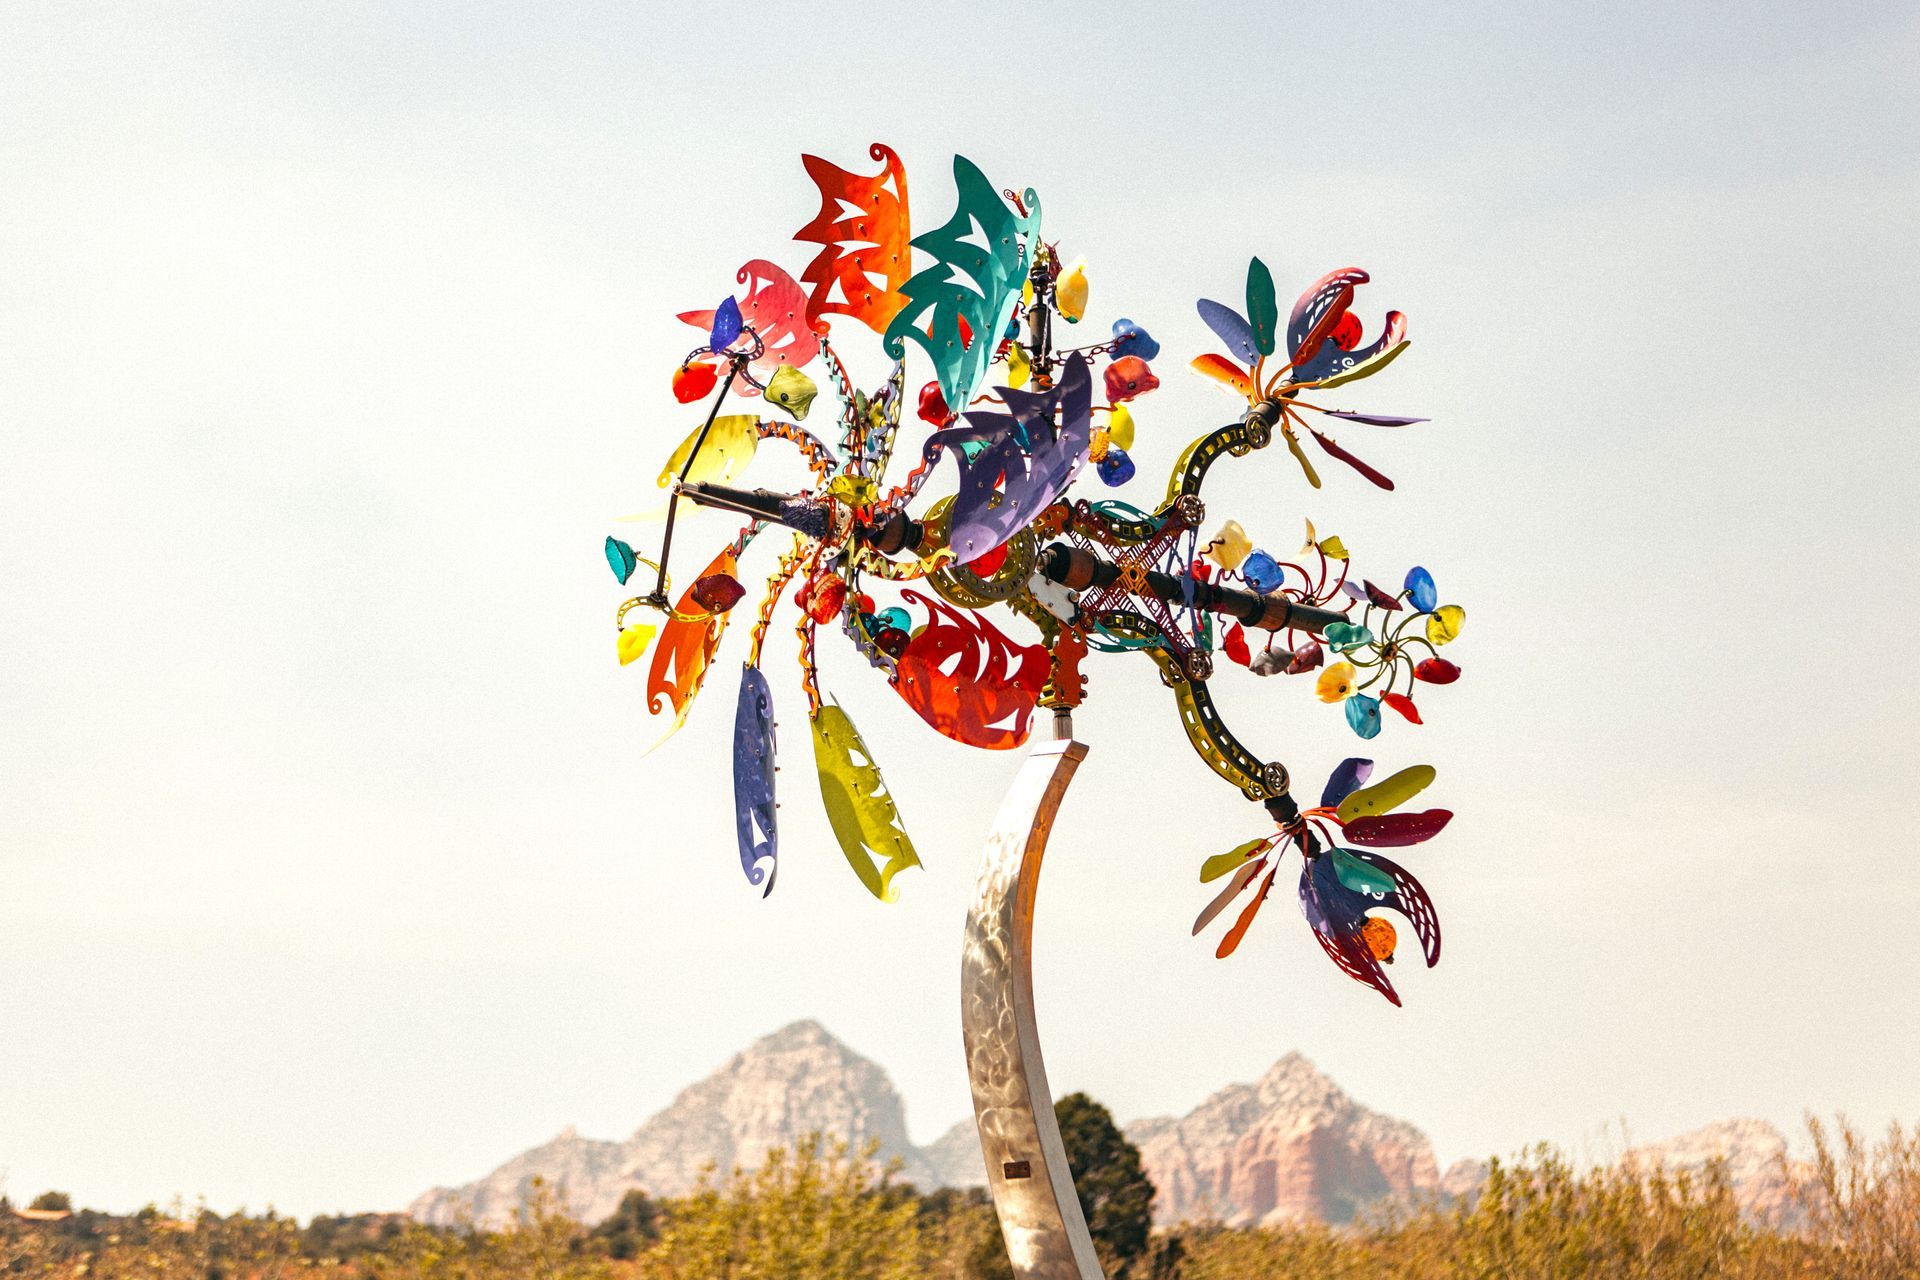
pixel 911 563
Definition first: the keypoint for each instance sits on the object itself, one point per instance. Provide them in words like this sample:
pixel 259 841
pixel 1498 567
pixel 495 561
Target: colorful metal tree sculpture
pixel 1088 575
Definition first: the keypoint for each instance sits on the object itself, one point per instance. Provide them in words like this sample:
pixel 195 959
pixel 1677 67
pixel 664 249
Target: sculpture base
pixel 1027 1172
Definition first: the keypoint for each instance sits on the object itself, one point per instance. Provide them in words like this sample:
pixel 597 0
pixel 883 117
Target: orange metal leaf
pixel 968 680
pixel 1221 369
pixel 863 230
pixel 1239 930
pixel 688 647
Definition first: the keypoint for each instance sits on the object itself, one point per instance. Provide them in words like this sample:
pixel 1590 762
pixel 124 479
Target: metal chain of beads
pixel 819 458
pixel 776 583
pixel 852 430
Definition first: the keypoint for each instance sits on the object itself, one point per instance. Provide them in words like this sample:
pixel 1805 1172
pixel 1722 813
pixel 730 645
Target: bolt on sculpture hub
pixel 1024 416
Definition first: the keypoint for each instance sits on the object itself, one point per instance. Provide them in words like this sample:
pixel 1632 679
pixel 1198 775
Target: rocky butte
pixel 1291 1146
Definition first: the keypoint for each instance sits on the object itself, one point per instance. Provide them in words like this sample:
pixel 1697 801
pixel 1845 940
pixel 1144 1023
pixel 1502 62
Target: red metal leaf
pixel 1235 644
pixel 1396 830
pixel 1352 461
pixel 1403 704
pixel 968 680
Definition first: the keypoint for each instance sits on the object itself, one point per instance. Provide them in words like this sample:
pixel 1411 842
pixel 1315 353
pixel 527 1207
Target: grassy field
pixel 820 1213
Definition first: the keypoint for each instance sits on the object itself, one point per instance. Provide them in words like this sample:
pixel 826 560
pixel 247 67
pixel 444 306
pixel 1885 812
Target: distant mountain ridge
pixel 796 1081
pixel 1291 1146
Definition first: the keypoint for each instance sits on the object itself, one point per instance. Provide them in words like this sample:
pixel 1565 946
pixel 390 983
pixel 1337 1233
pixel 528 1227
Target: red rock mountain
pixel 1290 1146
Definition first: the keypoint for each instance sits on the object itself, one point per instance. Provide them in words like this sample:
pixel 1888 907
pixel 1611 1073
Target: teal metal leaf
pixel 1263 309
pixel 1345 637
pixel 979 263
pixel 1360 876
pixel 621 559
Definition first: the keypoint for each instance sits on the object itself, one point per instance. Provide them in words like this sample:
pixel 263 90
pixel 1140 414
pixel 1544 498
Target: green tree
pixel 1114 1191
pixel 58 1201
pixel 633 1226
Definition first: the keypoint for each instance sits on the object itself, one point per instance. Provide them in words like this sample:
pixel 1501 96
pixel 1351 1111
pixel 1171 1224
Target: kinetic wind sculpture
pixel 1021 416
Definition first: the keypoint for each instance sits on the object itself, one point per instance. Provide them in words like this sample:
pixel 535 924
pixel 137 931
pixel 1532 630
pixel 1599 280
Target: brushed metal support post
pixel 1027 1172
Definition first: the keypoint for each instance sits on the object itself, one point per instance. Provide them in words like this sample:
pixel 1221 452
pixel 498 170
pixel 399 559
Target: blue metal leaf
pixel 753 807
pixel 1231 328
pixel 1347 777
pixel 726 325
pixel 1420 589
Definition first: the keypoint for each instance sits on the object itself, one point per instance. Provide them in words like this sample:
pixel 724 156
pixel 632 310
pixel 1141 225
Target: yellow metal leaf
pixel 728 449
pixel 1019 365
pixel 633 641
pixel 1299 456
pixel 1443 626
pixel 1120 427
pixel 1384 797
pixel 1364 368
pixel 1335 683
pixel 862 814
pixel 855 491
pixel 1221 863
pixel 1097 447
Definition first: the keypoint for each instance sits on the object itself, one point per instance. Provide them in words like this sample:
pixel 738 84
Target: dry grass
pixel 821 1212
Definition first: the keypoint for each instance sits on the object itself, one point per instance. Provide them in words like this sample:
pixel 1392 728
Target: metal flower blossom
pixel 911 577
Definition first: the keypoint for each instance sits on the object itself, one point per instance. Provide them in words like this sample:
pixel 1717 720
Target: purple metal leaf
pixel 753 808
pixel 1231 327
pixel 1373 419
pixel 1347 777
pixel 1337 915
pixel 1028 461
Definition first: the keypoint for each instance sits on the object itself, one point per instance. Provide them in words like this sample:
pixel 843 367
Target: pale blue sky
pixel 330 868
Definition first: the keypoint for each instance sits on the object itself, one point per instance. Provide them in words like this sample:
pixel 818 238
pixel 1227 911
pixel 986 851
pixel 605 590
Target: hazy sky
pixel 330 866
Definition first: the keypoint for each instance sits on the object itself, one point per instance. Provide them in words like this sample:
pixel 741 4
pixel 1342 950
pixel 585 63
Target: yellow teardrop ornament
pixel 1444 626
pixel 1230 546
pixel 1070 295
pixel 1335 683
pixel 1019 366
pixel 633 641
pixel 1120 427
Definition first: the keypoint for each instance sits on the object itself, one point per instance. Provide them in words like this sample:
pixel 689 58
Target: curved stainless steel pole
pixel 1027 1171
